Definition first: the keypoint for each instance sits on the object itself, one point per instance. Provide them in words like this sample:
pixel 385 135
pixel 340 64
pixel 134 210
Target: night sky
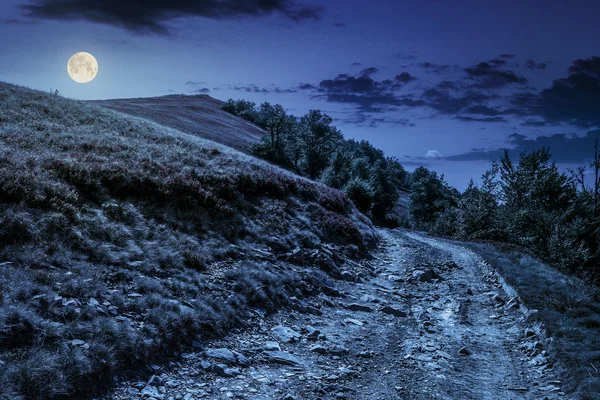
pixel 445 84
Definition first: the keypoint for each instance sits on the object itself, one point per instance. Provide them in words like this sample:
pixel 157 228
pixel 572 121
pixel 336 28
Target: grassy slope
pixel 569 310
pixel 123 239
pixel 199 115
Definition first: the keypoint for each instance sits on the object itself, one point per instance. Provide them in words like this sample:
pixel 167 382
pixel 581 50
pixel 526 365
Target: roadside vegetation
pixel 528 202
pixel 123 241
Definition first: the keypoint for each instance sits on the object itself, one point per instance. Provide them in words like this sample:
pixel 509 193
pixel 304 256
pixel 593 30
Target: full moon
pixel 82 67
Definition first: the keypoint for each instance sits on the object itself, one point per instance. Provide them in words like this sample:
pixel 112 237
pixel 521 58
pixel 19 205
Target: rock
pixel 359 307
pixel 464 351
pixel 313 333
pixel 225 372
pixel 426 276
pixel 354 321
pixel 348 276
pixel 366 354
pixel 331 292
pixel 134 295
pixel 367 298
pixel 197 345
pixel 313 310
pixel 288 397
pixel 529 332
pixel 470 292
pixel 221 354
pixel 270 346
pixel 206 365
pixel 286 335
pixel 347 371
pixel 512 304
pixel 393 311
pixel 132 392
pixel 281 357
pixel 241 359
pixel 498 299
pixel 151 391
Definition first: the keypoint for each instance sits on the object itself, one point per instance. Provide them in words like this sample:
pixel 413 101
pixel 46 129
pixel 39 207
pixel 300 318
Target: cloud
pixel 433 154
pixel 484 119
pixel 356 64
pixel 564 149
pixel 202 90
pixel 405 56
pixel 405 77
pixel 363 119
pixel 507 56
pixel 434 68
pixel 151 16
pixel 487 76
pixel 363 91
pixel 251 88
pixel 530 64
pixel 195 83
pixel 497 62
pixel 573 100
pixel 339 25
pixel 14 21
pixel 443 99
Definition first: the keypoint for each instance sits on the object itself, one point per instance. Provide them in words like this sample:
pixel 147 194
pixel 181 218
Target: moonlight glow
pixel 82 67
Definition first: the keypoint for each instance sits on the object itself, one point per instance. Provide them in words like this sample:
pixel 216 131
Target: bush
pixel 361 194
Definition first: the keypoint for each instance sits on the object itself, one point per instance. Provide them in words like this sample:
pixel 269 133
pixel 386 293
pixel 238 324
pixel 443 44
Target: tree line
pixel 528 202
pixel 311 146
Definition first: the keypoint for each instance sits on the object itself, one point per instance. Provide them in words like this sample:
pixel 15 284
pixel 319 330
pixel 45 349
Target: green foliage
pixel 529 203
pixel 361 193
pixel 430 196
pixel 242 108
pixel 311 146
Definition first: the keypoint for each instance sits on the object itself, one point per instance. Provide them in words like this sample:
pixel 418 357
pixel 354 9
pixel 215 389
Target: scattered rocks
pixel 426 275
pixel 359 307
pixel 529 332
pixel 464 351
pixel 222 354
pixel 286 335
pixel 284 358
pixel 393 311
pixel 331 291
pixel 151 391
pixel 348 276
pixel 334 350
pixel 272 346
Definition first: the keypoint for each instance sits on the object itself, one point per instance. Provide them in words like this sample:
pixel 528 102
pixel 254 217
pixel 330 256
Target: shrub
pixel 361 194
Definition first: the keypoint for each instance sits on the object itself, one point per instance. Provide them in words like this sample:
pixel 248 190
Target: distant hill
pixel 199 115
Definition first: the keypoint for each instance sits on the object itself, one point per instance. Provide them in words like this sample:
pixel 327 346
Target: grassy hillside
pixel 199 115
pixel 123 240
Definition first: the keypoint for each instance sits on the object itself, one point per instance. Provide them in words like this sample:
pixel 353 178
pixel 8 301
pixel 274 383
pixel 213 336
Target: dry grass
pixel 569 309
pixel 123 240
pixel 199 115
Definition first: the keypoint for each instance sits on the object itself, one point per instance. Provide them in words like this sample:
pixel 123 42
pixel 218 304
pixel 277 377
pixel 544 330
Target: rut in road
pixel 391 335
pixel 480 322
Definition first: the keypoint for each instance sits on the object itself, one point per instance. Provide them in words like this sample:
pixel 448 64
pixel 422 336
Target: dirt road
pixel 429 320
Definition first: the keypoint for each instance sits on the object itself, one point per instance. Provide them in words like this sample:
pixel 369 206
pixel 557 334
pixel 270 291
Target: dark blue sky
pixel 434 82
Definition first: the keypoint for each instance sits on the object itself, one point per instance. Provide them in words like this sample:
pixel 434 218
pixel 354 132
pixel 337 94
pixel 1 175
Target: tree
pixel 317 141
pixel 280 128
pixel 430 196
